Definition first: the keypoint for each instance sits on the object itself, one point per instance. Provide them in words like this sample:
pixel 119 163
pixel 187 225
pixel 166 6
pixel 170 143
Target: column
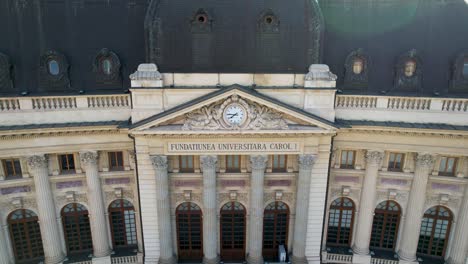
pixel 163 204
pixel 259 163
pixel 46 210
pixel 4 254
pixel 458 252
pixel 415 209
pixel 302 207
pixel 210 229
pixel 366 207
pixel 97 209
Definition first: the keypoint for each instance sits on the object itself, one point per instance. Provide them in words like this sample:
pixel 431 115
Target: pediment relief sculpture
pixel 235 113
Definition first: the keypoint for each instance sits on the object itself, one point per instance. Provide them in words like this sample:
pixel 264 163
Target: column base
pixel 299 260
pixel 211 260
pixel 361 259
pixel 55 260
pixel 171 260
pixel 102 260
pixel 254 260
pixel 407 262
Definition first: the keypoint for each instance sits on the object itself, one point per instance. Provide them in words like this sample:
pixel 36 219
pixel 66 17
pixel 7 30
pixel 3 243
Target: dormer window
pixel 358 66
pixel 410 68
pixel 53 67
pixel 465 68
pixel 202 18
pixel 268 19
pixel 106 66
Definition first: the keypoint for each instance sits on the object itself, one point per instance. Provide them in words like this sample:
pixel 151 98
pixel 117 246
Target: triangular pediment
pixel 233 109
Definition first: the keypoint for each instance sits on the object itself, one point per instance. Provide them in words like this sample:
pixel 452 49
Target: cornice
pixel 455 134
pixel 29 134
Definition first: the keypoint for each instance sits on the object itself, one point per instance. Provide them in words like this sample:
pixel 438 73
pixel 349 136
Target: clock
pixel 234 114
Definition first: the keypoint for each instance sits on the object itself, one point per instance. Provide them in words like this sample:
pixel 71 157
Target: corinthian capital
pixel 37 161
pixel 89 157
pixel 306 161
pixel 259 162
pixel 374 156
pixel 159 162
pixel 208 161
pixel 425 160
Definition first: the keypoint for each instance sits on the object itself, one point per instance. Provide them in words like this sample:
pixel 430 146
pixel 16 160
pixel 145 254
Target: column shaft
pixel 163 204
pixel 46 210
pixel 210 230
pixel 367 203
pixel 415 207
pixel 459 244
pixel 256 209
pixel 4 254
pixel 302 207
pixel 97 209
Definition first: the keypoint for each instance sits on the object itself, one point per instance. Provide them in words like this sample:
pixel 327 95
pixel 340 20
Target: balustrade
pixel 339 258
pixel 125 260
pixel 356 102
pixel 108 101
pixel 53 103
pixel 383 261
pixel 7 104
pixel 407 103
pixel 454 105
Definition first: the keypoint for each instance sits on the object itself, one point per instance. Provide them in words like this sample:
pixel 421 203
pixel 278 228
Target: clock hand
pixel 232 115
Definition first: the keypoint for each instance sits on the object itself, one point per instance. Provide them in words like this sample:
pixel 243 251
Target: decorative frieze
pixel 186 183
pixel 443 186
pixel 68 184
pixel 232 183
pixel 389 181
pixel 111 181
pixel 351 179
pixel 15 189
pixel 277 183
pixel 225 197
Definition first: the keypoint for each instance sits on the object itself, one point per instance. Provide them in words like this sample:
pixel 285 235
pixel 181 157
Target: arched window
pixel 340 222
pixel 275 229
pixel 435 231
pixel 385 225
pixel 25 236
pixel 358 65
pixel 232 232
pixel 122 222
pixel 76 228
pixel 189 232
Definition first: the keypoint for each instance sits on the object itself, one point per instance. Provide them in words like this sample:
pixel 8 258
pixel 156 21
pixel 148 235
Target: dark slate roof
pixel 357 123
pixel 224 90
pixel 117 124
pixel 234 39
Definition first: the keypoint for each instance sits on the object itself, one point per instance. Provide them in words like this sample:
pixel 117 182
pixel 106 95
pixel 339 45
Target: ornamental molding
pixel 125 194
pixel 114 74
pixel 20 203
pixel 242 198
pixel 452 202
pixel 89 158
pixel 287 197
pixel 406 83
pixel 405 132
pixel 306 161
pixel 337 192
pixel 425 160
pixel 38 161
pixel 159 162
pixel 179 198
pixel 208 162
pixel 258 117
pixel 352 79
pixel 42 134
pixel 62 200
pixel 400 197
pixel 258 162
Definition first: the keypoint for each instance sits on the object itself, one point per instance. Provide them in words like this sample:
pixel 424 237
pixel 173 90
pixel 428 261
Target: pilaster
pixel 210 230
pixel 4 254
pixel 101 246
pixel 51 241
pixel 415 208
pixel 366 207
pixel 306 163
pixel 163 209
pixel 259 163
pixel 458 252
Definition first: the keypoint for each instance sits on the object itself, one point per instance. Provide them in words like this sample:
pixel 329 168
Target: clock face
pixel 234 114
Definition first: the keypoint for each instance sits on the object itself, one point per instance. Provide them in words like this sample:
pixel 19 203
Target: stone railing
pixel 356 102
pixel 83 262
pixel 9 104
pixel 108 101
pixel 125 260
pixel 409 103
pixel 53 103
pixel 339 258
pixel 455 105
pixel 383 261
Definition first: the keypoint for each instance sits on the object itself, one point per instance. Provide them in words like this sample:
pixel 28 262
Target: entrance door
pixel 233 232
pixel 275 229
pixel 189 232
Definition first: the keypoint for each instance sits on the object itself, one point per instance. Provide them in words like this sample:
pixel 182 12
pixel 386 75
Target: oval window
pixel 410 68
pixel 465 68
pixel 107 66
pixel 358 66
pixel 54 68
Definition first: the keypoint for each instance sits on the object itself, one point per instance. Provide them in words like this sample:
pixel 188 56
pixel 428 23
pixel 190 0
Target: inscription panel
pixel 233 147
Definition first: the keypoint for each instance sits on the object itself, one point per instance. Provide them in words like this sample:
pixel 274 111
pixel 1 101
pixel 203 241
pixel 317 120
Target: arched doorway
pixel 340 222
pixel 189 232
pixel 122 223
pixel 435 231
pixel 233 232
pixel 76 227
pixel 385 225
pixel 275 229
pixel 25 236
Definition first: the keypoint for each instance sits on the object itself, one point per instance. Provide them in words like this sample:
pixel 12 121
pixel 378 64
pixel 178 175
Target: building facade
pixel 292 127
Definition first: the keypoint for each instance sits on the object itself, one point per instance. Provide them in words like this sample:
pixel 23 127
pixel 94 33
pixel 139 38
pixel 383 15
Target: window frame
pixel 385 223
pixel 436 218
pixel 27 228
pixel 119 167
pixel 67 171
pixel 279 168
pixel 184 169
pixel 341 208
pixel 402 161
pixel 233 169
pixel 76 215
pixel 347 166
pixel 121 209
pixel 454 167
pixel 14 176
